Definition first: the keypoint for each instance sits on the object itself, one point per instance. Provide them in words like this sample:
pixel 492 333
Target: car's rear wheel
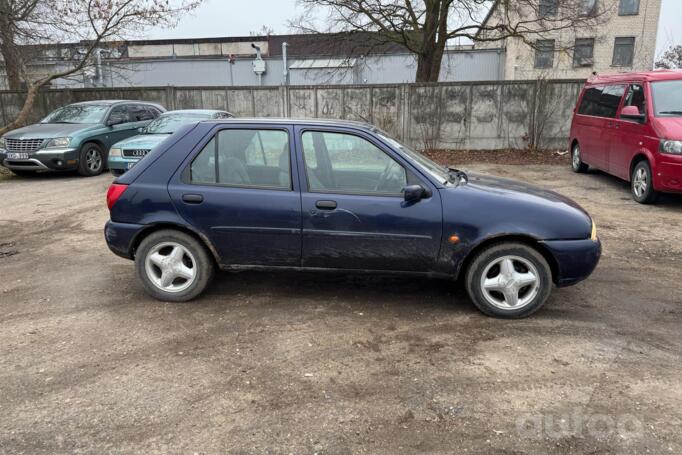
pixel 91 160
pixel 173 266
pixel 641 184
pixel 509 280
pixel 576 160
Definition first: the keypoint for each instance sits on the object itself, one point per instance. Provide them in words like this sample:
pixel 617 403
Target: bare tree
pixel 424 27
pixel 671 58
pixel 31 28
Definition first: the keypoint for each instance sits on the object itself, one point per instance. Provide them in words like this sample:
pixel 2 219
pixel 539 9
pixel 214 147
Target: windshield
pixel 437 171
pixel 169 123
pixel 78 113
pixel 667 98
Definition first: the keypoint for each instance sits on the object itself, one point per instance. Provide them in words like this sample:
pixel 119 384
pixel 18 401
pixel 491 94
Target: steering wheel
pixel 384 177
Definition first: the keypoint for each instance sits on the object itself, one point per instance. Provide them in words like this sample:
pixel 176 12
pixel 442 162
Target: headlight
pixel 115 152
pixel 593 236
pixel 671 147
pixel 58 142
pixel 3 143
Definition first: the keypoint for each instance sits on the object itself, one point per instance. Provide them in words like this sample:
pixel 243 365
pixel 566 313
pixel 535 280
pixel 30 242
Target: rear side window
pixel 601 101
pixel 248 157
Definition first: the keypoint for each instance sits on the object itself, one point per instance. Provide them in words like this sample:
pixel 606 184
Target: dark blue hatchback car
pixel 330 195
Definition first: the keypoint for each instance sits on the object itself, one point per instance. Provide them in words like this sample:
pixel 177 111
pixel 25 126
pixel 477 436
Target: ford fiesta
pixel 343 196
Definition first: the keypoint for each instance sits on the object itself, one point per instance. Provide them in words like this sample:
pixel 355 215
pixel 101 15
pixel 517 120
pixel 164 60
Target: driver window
pixel 635 97
pixel 337 162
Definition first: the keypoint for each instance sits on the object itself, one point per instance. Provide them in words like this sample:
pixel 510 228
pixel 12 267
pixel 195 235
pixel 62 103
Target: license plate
pixel 130 165
pixel 17 156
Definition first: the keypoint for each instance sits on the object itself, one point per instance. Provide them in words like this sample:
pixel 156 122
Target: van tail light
pixel 114 193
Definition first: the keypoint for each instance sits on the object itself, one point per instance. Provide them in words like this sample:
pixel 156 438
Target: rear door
pixel 353 211
pixel 238 190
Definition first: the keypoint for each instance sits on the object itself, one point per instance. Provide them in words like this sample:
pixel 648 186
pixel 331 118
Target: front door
pixel 627 142
pixel 239 192
pixel 354 213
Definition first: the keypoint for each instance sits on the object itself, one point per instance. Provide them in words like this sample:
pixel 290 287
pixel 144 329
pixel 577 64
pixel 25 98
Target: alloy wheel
pixel 576 157
pixel 171 267
pixel 93 159
pixel 510 282
pixel 641 182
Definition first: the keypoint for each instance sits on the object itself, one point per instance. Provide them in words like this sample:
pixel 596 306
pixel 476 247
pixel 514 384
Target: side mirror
pixel 141 130
pixel 415 193
pixel 632 113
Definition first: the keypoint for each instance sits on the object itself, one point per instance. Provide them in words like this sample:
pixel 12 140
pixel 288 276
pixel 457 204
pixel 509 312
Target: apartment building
pixel 621 37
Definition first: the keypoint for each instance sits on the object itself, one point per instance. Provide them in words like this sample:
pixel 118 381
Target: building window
pixel 544 53
pixel 628 7
pixel 589 8
pixel 548 8
pixel 583 53
pixel 623 51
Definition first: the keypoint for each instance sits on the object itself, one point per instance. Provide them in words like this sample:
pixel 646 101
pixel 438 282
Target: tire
pixel 189 267
pixel 91 160
pixel 576 162
pixel 641 184
pixel 494 263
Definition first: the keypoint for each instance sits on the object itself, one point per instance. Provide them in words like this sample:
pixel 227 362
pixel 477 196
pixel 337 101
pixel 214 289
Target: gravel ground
pixel 300 363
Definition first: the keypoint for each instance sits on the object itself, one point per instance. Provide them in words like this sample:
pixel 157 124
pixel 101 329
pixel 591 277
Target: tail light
pixel 115 191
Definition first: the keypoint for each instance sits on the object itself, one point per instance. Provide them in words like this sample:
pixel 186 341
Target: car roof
pixel 296 121
pixel 647 76
pixel 112 102
pixel 196 111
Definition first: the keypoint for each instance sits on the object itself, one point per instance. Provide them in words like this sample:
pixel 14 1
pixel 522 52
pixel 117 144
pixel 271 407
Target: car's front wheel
pixel 173 266
pixel 91 160
pixel 642 184
pixel 509 280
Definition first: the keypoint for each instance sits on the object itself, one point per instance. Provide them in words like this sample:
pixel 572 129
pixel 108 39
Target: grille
pixel 23 145
pixel 139 153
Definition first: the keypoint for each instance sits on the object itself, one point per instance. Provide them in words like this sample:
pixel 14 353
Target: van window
pixel 635 97
pixel 601 101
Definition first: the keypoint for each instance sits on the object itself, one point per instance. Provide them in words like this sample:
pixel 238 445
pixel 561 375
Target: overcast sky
pixel 239 17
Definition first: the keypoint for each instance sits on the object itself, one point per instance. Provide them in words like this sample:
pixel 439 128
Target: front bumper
pixel 668 173
pixel 120 237
pixel 61 159
pixel 575 259
pixel 118 165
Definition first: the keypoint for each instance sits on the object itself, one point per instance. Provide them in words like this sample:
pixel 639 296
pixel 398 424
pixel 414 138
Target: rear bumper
pixel 120 237
pixel 43 160
pixel 576 259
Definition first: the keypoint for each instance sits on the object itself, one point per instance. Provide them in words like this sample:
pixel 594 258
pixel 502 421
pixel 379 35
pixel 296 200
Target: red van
pixel 630 125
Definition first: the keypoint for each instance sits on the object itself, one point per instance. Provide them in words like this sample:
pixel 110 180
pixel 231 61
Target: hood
pixel 498 205
pixel 519 191
pixel 48 130
pixel 142 141
pixel 669 128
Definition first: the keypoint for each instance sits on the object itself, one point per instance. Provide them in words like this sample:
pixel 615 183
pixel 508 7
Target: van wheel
pixel 509 280
pixel 173 266
pixel 91 160
pixel 576 162
pixel 642 185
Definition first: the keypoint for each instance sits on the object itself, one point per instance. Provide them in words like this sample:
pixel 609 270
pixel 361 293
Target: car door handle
pixel 326 205
pixel 193 198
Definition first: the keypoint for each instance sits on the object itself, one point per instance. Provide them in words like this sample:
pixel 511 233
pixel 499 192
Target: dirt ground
pixel 299 363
